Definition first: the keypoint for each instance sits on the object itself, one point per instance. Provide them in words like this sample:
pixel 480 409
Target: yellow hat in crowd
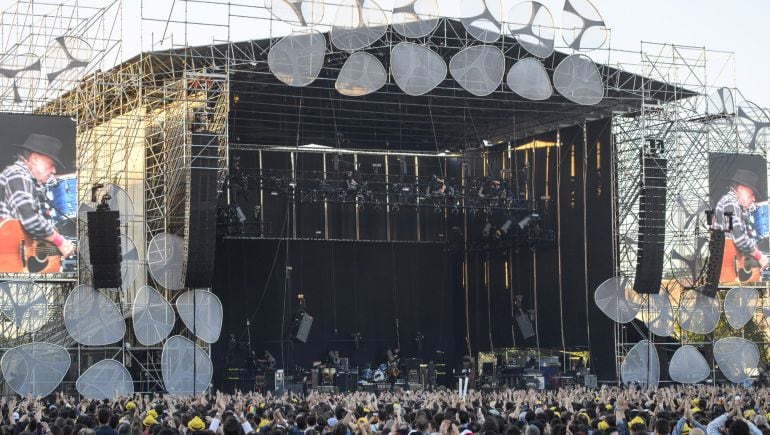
pixel 149 420
pixel 363 420
pixel 130 405
pixel 153 413
pixel 196 423
pixel 638 419
pixel 603 425
pixel 685 429
pixel 608 407
pixel 695 410
pixel 749 413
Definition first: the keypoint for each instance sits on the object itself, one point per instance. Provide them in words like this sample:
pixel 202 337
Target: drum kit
pixel 380 374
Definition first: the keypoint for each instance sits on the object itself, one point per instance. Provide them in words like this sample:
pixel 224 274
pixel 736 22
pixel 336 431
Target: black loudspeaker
pixel 714 264
pixel 104 248
pixel 525 325
pixel 200 236
pixel 346 382
pixel 303 327
pixel 652 225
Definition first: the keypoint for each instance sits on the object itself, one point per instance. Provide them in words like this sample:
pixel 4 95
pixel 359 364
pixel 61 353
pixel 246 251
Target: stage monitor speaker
pixel 346 382
pixel 104 248
pixel 525 325
pixel 303 328
pixel 652 225
pixel 714 264
pixel 200 231
pixel 487 369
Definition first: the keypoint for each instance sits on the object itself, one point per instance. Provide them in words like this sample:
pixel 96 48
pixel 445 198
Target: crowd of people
pixel 675 410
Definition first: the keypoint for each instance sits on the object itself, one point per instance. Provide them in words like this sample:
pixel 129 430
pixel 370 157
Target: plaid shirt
pixel 20 199
pixel 743 233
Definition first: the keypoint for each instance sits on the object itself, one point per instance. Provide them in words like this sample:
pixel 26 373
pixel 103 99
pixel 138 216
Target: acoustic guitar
pixel 738 267
pixel 19 253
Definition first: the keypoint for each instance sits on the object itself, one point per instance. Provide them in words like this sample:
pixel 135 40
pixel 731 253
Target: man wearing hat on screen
pixel 20 185
pixel 741 243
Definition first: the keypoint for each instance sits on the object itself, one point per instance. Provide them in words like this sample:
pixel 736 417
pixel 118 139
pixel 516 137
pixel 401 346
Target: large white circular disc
pixel 416 69
pixel 578 79
pixel 531 23
pixel 478 69
pixel 164 258
pixel 698 314
pixel 529 79
pixel 688 366
pixel 186 368
pixel 105 380
pixel 201 312
pixel 358 24
pixel 361 75
pixel 297 59
pixel 738 358
pixel 24 303
pixel 740 306
pixel 153 316
pixel 641 365
pixel 616 298
pixel 35 369
pixel 91 318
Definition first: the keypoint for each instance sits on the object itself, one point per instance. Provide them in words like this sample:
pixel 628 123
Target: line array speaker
pixel 104 248
pixel 652 225
pixel 200 231
pixel 714 264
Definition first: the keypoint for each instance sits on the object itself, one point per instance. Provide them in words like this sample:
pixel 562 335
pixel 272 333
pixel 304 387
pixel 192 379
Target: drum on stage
pixel 367 375
pixel 759 218
pixel 379 375
pixel 63 198
pixel 327 375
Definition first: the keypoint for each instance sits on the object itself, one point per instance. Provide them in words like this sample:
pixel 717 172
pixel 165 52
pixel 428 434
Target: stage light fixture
pixel 487 229
pixel 528 220
pixel 503 230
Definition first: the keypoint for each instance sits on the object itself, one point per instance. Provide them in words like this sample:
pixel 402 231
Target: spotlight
pixel 487 143
pixel 503 230
pixel 528 220
pixel 487 229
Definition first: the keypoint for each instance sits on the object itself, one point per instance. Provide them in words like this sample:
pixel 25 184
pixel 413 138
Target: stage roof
pixel 265 111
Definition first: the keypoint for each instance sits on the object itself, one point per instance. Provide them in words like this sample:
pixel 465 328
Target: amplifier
pixel 590 381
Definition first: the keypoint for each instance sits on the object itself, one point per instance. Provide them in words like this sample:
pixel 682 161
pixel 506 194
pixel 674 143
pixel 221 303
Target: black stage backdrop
pixel 387 292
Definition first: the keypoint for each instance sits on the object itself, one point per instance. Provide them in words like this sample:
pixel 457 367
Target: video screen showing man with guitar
pixel 742 260
pixel 29 240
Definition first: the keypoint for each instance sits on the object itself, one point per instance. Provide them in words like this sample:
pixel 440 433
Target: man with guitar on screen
pixel 29 242
pixel 742 259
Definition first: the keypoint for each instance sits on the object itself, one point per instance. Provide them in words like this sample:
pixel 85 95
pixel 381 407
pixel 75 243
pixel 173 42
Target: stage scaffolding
pixel 684 132
pixel 135 126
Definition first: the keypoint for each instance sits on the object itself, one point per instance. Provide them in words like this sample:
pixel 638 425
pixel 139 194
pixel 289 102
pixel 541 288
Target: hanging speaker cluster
pixel 104 248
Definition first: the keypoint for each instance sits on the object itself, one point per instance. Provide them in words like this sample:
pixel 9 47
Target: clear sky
pixel 741 27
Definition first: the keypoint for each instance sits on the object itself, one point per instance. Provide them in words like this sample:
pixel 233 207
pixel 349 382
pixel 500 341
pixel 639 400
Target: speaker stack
pixel 652 222
pixel 714 264
pixel 104 247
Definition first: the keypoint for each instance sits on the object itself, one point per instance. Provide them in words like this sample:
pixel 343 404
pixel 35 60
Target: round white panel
pixel 66 53
pixel 415 18
pixel 720 102
pixel 478 69
pixel 486 26
pixel 297 12
pixel 91 318
pixel 737 358
pixel 529 79
pixel 751 120
pixel 164 258
pixel 358 24
pixel 20 79
pixel 105 380
pixel 116 198
pixel 578 79
pixel 641 365
pixel 688 366
pixel 361 75
pixel 698 313
pixel 416 69
pixel 740 305
pixel 617 299
pixel 658 314
pixel 531 23
pixel 582 25
pixel 186 368
pixel 201 312
pixel 297 59
pixel 24 304
pixel 153 316
pixel 35 369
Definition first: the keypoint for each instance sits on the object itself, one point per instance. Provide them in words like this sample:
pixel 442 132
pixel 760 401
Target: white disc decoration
pixel 35 369
pixel 358 24
pixel 641 365
pixel 24 303
pixel 153 316
pixel 297 59
pixel 529 79
pixel 416 69
pixel 130 265
pixel 164 258
pixel 19 79
pixel 104 380
pixel 583 26
pixel 531 23
pixel 658 314
pixel 415 18
pixel 201 312
pixel 750 121
pixel 738 358
pixel 688 366
pixel 478 69
pixel 740 306
pixel 361 75
pixel 720 102
pixel 578 79
pixel 297 12
pixel 66 53
pixel 698 314
pixel 91 318
pixel 616 298
pixel 485 25
pixel 186 368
